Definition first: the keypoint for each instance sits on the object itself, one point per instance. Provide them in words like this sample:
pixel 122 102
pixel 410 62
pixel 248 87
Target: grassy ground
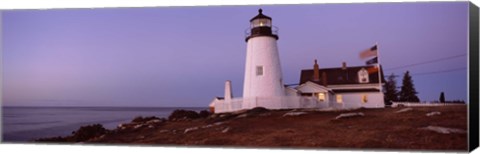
pixel 377 129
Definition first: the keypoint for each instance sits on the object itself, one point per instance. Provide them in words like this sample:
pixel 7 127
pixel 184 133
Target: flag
pixel 372 61
pixel 372 70
pixel 369 52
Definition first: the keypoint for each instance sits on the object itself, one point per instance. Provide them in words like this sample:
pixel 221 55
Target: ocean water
pixel 23 124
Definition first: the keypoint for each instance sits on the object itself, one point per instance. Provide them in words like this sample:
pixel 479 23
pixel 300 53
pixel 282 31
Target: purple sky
pixel 181 56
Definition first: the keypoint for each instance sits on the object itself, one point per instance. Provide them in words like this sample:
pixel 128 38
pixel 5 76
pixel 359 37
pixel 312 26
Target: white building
pixel 344 87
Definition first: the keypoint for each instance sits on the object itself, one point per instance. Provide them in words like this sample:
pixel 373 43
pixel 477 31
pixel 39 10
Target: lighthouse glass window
pixel 261 23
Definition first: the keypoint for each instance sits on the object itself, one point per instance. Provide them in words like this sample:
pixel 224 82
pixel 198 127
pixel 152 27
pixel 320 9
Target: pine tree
pixel 442 97
pixel 391 93
pixel 408 92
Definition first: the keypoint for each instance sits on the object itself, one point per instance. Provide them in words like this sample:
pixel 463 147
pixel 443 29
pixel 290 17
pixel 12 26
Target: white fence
pixel 282 102
pixel 413 104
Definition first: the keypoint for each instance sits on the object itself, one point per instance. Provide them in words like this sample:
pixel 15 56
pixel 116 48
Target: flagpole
pixel 379 75
pixel 378 65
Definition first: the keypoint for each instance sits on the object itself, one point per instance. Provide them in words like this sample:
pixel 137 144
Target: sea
pixel 24 124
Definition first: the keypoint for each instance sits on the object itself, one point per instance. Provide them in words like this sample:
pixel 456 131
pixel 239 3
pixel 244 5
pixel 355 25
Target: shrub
pixel 141 119
pixel 87 132
pixel 183 114
pixel 204 113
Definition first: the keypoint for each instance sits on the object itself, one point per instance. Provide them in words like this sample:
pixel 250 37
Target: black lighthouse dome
pixel 261 25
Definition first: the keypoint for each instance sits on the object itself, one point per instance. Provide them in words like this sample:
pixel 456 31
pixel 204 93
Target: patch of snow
pixel 433 113
pixel 404 110
pixel 346 115
pixel 444 130
pixel 294 113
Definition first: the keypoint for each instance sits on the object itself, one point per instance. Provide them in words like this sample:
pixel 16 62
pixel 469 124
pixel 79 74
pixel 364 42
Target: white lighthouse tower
pixel 263 74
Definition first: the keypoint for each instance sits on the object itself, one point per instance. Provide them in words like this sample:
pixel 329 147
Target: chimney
pixel 344 65
pixel 316 72
pixel 324 79
pixel 228 90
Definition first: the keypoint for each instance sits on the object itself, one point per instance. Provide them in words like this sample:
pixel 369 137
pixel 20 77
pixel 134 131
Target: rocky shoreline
pixel 421 128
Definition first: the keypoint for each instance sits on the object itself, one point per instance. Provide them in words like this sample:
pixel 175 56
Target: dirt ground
pixel 377 129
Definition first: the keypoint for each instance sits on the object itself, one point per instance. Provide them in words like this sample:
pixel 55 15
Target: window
pixel 339 99
pixel 363 76
pixel 259 70
pixel 321 97
pixel 364 99
pixel 261 23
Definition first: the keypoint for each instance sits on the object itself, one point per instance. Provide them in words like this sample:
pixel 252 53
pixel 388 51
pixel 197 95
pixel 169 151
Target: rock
pixel 242 115
pixel 218 123
pixel 348 115
pixel 156 121
pixel 433 113
pixel 137 126
pixel 225 130
pixel 215 124
pixel 294 113
pixel 190 129
pixel 404 110
pixel 163 131
pixel 444 130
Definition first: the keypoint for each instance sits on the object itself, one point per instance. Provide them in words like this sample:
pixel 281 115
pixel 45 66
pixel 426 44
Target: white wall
pixel 282 102
pixel 354 100
pixel 262 51
pixel 350 100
